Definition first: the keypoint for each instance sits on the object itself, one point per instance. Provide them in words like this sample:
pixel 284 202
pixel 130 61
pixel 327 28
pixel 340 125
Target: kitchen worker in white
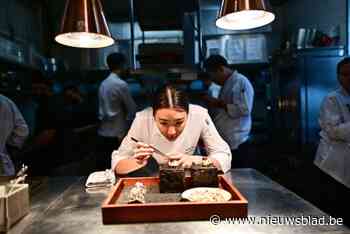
pixel 116 107
pixel 333 154
pixel 234 106
pixel 174 127
pixel 13 132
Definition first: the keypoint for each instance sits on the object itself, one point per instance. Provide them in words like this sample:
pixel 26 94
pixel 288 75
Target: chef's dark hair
pixel 342 63
pixel 116 61
pixel 170 97
pixel 214 62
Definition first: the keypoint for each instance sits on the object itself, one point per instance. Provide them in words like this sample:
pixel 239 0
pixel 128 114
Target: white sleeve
pixel 20 128
pixel 216 147
pixel 332 121
pixel 126 148
pixel 242 97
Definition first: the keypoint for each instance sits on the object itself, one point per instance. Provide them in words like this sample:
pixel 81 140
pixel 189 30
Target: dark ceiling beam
pixel 154 15
pixel 132 33
pixel 347 27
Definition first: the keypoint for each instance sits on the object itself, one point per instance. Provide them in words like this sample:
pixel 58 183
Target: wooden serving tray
pixel 113 212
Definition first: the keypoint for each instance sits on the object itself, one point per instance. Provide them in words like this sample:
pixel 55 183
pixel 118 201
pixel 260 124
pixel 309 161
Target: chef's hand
pixel 142 153
pixel 185 160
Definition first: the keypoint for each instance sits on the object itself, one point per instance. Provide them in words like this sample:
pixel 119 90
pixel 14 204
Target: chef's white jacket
pixel 198 126
pixel 13 131
pixel 333 154
pixel 116 105
pixel 234 123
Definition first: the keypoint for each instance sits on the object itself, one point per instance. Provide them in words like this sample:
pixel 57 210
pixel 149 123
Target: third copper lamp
pixel 243 14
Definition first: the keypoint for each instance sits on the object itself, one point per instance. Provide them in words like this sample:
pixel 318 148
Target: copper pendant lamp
pixel 243 14
pixel 84 25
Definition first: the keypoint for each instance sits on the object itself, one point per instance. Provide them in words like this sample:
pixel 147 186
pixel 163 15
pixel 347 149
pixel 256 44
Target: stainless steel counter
pixel 63 206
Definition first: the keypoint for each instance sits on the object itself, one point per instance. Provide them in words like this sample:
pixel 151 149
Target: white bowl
pixel 206 194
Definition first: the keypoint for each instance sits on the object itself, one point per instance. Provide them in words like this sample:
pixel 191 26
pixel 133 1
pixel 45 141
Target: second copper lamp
pixel 243 14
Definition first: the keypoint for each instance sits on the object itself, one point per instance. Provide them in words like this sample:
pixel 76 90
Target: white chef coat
pixel 333 154
pixel 13 131
pixel 115 106
pixel 234 124
pixel 198 126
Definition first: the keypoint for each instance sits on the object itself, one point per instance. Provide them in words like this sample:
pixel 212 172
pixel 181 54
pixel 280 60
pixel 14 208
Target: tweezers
pixel 154 148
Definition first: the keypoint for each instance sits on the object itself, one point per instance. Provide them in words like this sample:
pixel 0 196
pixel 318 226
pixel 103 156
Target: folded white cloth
pixel 100 179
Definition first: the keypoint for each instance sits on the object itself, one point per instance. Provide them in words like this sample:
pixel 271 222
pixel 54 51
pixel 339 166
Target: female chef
pixel 174 127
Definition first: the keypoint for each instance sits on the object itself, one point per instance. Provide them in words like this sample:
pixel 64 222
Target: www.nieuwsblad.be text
pixel 280 220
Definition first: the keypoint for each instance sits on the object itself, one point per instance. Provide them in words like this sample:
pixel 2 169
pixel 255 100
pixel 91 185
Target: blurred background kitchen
pixel 290 62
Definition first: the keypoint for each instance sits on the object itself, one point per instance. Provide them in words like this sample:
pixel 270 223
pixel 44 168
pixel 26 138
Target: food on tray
pixel 203 194
pixel 169 207
pixel 137 193
pixel 206 162
pixel 204 174
pixel 172 179
pixel 173 163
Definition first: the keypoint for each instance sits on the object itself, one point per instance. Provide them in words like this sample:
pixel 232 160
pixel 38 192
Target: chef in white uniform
pixel 333 154
pixel 332 177
pixel 116 107
pixel 13 132
pixel 234 106
pixel 174 127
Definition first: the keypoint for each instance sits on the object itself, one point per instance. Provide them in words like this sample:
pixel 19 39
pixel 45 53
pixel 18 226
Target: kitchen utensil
pixel 154 148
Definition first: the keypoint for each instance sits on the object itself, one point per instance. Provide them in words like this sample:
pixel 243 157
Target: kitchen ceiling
pixel 160 14
pixel 152 15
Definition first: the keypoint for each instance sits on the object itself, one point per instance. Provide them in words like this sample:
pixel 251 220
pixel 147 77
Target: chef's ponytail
pixel 170 97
